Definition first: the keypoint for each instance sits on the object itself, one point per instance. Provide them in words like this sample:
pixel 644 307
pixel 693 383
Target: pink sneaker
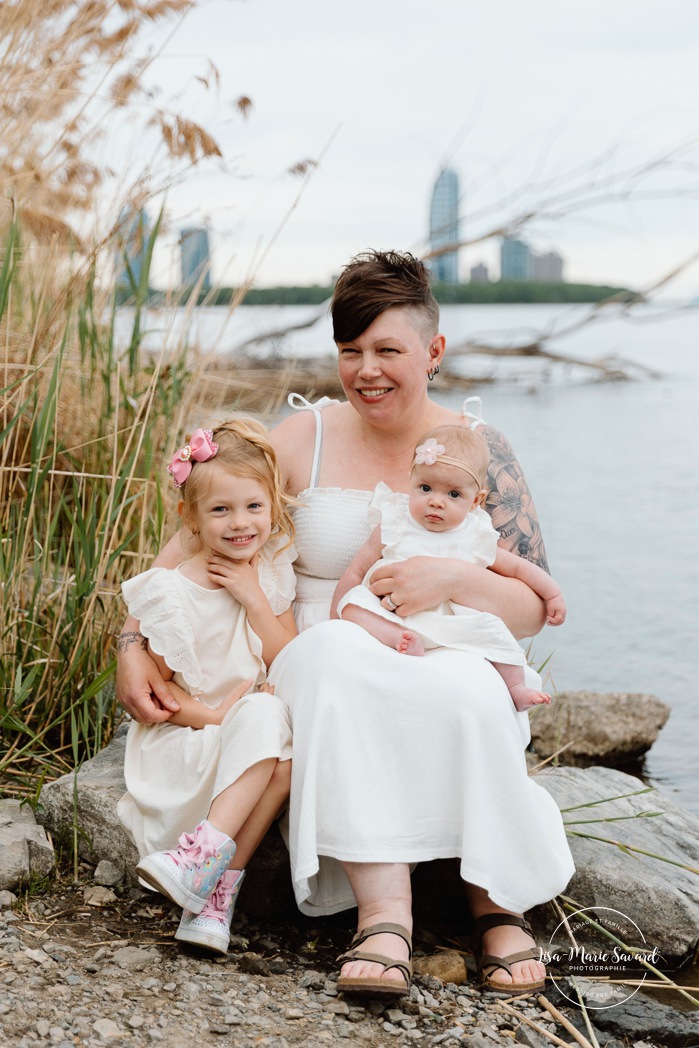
pixel 212 927
pixel 189 873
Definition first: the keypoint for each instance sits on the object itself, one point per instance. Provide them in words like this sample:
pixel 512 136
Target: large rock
pixel 610 728
pixel 100 784
pixel 661 897
pixel 645 1020
pixel 25 851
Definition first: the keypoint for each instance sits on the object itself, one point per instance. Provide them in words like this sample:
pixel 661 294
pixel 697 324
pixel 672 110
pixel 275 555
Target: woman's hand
pixel 424 582
pixel 139 686
pixel 416 584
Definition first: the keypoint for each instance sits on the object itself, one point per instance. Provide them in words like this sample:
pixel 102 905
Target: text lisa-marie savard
pixel 587 957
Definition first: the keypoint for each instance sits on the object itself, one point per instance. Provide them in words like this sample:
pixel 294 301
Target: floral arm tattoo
pixel 509 503
pixel 129 637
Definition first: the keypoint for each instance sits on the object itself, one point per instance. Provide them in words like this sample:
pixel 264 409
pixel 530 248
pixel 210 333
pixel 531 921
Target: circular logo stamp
pixel 596 952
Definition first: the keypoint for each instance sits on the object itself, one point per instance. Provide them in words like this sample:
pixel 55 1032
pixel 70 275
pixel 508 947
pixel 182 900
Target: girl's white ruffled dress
pixel 401 759
pixel 450 625
pixel 173 773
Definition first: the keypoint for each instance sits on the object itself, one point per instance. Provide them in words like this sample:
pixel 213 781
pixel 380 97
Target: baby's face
pixel 441 496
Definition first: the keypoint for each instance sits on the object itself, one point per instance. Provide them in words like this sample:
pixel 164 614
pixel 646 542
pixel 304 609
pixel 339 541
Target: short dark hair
pixel 376 281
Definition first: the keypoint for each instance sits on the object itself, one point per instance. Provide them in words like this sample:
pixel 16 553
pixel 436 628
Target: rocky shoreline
pixel 95 962
pixel 92 965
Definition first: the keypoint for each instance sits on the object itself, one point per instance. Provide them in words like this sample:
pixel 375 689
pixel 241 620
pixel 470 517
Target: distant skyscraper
pixel 547 268
pixel 515 259
pixel 479 274
pixel 132 240
pixel 444 226
pixel 195 257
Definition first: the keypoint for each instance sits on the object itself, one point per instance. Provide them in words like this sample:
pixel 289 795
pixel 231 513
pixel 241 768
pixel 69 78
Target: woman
pixel 398 760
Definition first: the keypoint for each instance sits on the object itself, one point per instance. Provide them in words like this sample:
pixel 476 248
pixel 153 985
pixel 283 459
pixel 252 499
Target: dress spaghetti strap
pixel 299 403
pixel 478 419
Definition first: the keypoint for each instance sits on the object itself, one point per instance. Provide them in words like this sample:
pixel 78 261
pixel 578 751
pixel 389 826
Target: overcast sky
pixel 521 99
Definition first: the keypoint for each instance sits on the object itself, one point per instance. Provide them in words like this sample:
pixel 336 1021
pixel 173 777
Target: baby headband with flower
pixel 200 448
pixel 430 452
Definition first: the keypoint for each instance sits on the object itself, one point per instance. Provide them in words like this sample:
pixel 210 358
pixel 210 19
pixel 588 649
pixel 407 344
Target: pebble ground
pixel 89 966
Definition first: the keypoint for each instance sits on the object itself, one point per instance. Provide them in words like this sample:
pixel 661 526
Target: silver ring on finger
pixel 390 603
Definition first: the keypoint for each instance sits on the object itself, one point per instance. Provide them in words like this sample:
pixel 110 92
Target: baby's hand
pixel 231 699
pixel 269 688
pixel 556 610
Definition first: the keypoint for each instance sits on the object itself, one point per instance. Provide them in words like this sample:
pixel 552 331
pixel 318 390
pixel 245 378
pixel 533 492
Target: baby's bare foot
pixel 524 698
pixel 409 644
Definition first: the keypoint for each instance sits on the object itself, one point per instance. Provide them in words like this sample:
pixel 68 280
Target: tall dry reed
pixel 85 423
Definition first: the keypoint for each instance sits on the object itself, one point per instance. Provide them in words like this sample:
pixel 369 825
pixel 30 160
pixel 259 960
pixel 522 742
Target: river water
pixel 613 470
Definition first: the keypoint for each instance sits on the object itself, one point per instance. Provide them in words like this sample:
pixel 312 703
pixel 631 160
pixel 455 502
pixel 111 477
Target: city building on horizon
pixel 133 232
pixel 515 259
pixel 547 268
pixel 444 226
pixel 519 262
pixel 480 274
pixel 195 257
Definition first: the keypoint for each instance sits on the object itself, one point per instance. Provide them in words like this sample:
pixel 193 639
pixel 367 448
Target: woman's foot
pixel 524 698
pixel 504 940
pixel 369 970
pixel 382 891
pixel 409 644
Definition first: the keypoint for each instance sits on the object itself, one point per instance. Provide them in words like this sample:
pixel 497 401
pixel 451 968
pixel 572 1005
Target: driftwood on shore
pixel 265 387
pixel 262 385
pixel 318 376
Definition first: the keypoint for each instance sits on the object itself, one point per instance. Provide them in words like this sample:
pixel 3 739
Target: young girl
pixel 219 769
pixel 442 517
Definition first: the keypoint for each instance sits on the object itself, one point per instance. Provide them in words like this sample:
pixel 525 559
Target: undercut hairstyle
pixel 244 450
pixel 464 444
pixel 376 281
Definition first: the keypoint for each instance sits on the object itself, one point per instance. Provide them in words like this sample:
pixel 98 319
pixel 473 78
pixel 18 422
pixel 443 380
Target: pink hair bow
pixel 200 448
pixel 427 454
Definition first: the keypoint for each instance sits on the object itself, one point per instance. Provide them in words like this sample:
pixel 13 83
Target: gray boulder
pixel 598 729
pixel 25 851
pixel 642 1019
pixel 661 897
pixel 100 784
pixel 102 838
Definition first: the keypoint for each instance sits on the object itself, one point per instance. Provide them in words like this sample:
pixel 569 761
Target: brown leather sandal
pixel 489 963
pixel 373 984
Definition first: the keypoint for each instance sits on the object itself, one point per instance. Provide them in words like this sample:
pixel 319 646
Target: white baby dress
pixel 173 773
pixel 449 625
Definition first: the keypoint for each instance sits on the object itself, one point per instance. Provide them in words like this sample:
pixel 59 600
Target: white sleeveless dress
pixel 399 759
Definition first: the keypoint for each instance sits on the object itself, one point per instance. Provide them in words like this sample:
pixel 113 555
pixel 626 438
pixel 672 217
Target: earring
pixel 432 372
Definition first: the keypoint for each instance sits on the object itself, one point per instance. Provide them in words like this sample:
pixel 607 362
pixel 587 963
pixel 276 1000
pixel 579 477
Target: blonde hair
pixel 244 450
pixel 464 444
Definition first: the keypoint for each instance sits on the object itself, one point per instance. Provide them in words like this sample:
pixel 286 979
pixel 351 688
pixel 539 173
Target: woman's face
pixel 384 370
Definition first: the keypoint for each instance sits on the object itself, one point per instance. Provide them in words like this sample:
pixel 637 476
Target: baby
pixel 442 517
